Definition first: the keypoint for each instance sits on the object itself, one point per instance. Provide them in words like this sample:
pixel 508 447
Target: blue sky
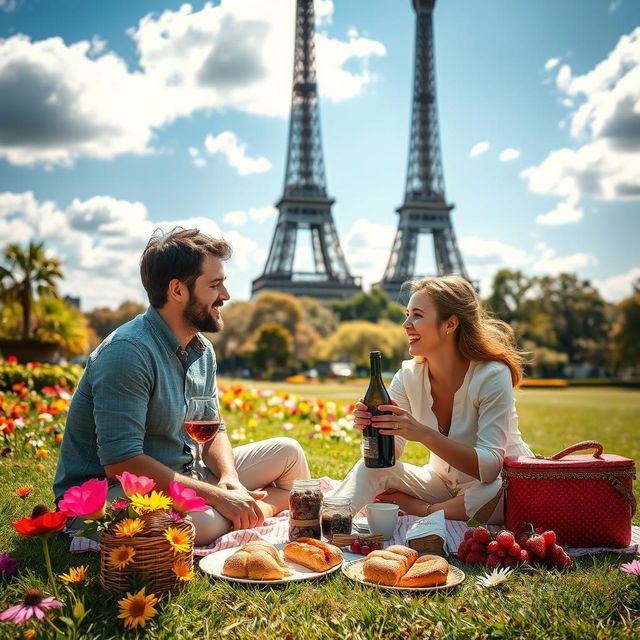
pixel 119 117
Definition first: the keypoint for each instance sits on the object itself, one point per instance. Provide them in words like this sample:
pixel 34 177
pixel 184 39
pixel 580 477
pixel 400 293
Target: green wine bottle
pixel 378 450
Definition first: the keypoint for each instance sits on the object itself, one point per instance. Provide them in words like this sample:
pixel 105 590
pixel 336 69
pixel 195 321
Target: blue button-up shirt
pixel 132 400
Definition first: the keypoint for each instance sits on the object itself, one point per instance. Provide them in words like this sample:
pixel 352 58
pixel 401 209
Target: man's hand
pixel 239 505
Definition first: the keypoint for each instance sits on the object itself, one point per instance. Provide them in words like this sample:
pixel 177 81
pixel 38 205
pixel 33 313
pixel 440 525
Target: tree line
pixel 561 321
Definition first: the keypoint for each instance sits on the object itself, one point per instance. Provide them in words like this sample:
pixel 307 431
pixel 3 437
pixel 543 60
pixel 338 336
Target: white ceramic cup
pixel 382 518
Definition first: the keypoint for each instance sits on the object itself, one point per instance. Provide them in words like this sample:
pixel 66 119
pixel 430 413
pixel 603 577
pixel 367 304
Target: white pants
pixel 363 484
pixel 274 462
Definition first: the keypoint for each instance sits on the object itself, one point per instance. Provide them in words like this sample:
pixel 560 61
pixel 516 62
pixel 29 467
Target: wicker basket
pixel 154 556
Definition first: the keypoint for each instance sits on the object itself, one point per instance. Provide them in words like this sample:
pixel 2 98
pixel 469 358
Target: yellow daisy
pixel 129 527
pixel 122 556
pixel 75 575
pixel 137 609
pixel 182 570
pixel 180 540
pixel 154 501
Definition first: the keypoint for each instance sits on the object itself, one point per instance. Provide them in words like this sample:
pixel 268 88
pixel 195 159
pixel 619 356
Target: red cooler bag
pixel 586 499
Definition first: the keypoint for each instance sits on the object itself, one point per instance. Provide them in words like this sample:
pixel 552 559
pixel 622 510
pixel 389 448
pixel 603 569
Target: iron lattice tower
pixel 305 204
pixel 425 209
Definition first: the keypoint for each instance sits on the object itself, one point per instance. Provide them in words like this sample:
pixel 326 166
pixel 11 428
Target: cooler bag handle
pixel 580 446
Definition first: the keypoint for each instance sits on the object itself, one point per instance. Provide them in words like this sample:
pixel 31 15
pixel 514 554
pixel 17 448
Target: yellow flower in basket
pixel 128 527
pixel 153 501
pixel 179 539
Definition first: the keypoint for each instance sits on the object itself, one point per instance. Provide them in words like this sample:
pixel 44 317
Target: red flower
pixel 42 525
pixel 12 360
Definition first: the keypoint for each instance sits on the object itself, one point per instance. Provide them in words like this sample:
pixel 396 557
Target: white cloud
pixel 606 119
pixel 100 240
pixel 323 12
pixel 9 5
pixel 564 212
pixel 619 286
pixel 227 144
pixel 194 152
pixel 478 149
pixel 235 218
pixel 367 246
pixel 509 154
pixel 563 264
pixel 551 63
pixel 614 5
pixel 85 101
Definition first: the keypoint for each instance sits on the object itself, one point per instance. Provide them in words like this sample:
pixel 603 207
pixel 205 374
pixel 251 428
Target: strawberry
pixel 521 539
pixel 537 545
pixel 493 546
pixel 478 546
pixel 365 549
pixel 525 556
pixel 557 557
pixel 549 537
pixel 474 557
pixel 509 561
pixel 514 550
pixel 375 546
pixel 505 539
pixel 356 545
pixel 501 552
pixel 481 535
pixel 492 561
pixel 468 534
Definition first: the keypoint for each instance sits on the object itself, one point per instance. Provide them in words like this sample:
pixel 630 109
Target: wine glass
pixel 202 421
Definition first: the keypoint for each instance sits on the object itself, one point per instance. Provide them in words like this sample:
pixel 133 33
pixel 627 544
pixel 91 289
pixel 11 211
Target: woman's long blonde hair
pixel 479 336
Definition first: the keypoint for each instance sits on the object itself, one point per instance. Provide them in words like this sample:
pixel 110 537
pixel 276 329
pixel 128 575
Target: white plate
pixel 212 564
pixel 353 571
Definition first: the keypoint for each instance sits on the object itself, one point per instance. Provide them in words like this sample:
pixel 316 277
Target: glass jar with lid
pixel 305 502
pixel 336 516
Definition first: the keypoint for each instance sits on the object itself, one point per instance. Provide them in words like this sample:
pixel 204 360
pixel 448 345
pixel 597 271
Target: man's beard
pixel 199 316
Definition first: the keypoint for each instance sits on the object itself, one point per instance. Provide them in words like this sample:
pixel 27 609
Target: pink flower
pixel 34 604
pixel 632 568
pixel 89 500
pixel 174 515
pixel 185 500
pixel 120 504
pixel 135 484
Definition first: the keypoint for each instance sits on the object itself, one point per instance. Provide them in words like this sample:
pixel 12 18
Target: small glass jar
pixel 336 516
pixel 305 502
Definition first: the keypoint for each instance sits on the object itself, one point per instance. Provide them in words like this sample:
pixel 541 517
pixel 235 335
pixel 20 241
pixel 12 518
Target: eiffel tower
pixel 425 209
pixel 305 204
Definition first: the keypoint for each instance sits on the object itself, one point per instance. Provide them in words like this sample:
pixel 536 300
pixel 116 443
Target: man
pixel 127 413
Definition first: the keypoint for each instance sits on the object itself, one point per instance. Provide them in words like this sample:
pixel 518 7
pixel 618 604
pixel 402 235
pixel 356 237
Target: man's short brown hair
pixel 177 254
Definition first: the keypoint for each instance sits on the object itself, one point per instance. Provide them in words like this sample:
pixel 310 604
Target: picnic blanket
pixel 276 530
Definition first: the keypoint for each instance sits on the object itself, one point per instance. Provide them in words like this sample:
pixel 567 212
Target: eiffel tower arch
pixel 425 209
pixel 305 204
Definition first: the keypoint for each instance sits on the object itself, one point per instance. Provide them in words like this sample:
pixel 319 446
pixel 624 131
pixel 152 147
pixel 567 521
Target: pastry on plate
pixel 313 554
pixel 257 561
pixel 400 566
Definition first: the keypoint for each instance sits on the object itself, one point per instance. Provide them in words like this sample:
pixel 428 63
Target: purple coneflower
pixel 8 565
pixel 632 567
pixel 33 604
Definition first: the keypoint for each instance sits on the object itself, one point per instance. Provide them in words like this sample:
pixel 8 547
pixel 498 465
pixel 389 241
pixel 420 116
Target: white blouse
pixel 484 415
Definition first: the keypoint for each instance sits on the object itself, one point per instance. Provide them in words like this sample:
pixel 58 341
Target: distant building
pixel 72 301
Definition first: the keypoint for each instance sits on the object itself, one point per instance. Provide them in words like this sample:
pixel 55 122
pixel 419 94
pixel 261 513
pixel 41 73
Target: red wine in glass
pixel 201 430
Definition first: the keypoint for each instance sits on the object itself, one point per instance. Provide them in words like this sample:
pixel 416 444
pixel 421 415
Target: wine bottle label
pixel 369 447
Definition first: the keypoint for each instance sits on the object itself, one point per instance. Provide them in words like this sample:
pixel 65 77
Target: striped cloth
pixel 276 530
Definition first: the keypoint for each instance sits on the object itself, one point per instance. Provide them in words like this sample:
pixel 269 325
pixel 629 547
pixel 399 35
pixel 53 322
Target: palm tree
pixel 29 272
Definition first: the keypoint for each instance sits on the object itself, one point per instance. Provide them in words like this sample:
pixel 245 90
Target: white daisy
pixel 496 577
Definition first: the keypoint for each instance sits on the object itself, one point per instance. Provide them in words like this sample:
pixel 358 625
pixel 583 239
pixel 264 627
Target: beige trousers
pixel 274 462
pixel 363 484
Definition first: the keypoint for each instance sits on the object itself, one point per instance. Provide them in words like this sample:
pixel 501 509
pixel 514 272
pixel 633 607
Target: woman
pixel 455 397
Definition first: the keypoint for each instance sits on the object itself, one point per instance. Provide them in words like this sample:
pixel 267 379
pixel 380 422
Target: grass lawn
pixel 594 601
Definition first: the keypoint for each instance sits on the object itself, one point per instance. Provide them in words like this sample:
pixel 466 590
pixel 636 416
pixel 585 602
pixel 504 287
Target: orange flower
pixel 23 491
pixel 41 453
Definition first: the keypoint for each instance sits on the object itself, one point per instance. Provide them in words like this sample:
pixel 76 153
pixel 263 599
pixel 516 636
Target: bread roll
pixel 426 572
pixel 313 554
pixel 257 561
pixel 400 566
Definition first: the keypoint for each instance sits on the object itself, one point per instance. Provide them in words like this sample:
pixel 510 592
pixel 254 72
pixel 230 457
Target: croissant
pixel 313 554
pixel 258 561
pixel 400 566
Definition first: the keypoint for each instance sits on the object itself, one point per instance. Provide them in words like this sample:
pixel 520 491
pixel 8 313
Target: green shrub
pixel 35 375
